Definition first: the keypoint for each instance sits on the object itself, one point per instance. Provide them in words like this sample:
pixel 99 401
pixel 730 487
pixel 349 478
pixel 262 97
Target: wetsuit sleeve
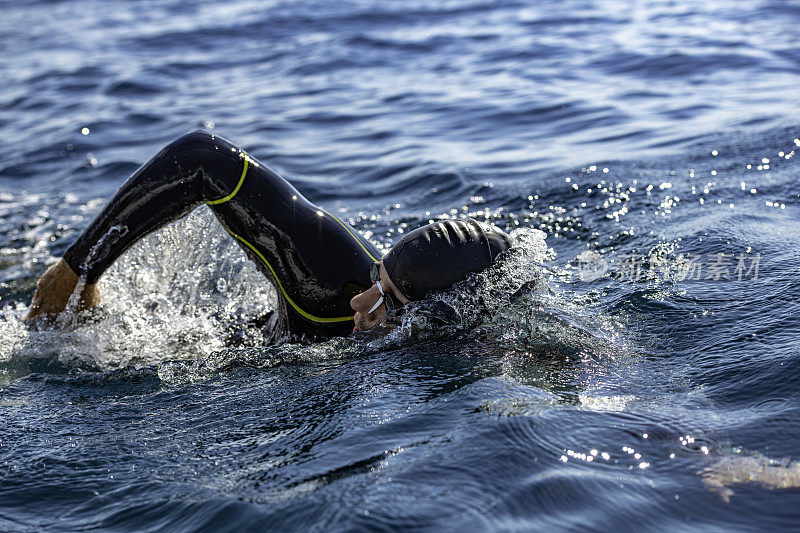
pixel 316 261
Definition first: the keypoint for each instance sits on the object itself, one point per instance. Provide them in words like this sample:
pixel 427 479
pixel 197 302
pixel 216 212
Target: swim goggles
pixel 375 276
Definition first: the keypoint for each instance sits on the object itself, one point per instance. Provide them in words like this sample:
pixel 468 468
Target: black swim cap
pixel 436 256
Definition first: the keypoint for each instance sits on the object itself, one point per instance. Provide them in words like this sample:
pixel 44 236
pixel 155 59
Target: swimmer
pixel 330 280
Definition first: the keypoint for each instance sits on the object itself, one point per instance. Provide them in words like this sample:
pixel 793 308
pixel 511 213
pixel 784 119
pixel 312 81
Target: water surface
pixel 647 379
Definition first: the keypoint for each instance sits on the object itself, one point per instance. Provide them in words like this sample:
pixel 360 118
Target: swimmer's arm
pixel 54 290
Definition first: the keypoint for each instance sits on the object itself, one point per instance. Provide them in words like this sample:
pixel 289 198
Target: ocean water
pixel 634 364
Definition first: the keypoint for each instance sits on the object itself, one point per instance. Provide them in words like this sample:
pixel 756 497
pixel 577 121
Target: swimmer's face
pixel 362 303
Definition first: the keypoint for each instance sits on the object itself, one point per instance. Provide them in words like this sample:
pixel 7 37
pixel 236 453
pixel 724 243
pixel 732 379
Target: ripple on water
pixel 644 132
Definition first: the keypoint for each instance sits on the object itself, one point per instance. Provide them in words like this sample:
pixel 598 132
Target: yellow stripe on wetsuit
pixel 303 313
pixel 285 294
pixel 347 228
pixel 238 185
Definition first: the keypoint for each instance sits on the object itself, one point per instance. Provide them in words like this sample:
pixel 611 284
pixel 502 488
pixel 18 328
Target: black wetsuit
pixel 316 262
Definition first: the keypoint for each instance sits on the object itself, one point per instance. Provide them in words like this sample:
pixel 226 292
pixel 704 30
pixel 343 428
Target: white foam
pixel 161 300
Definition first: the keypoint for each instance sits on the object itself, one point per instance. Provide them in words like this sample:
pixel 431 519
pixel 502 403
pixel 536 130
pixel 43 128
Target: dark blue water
pixel 649 379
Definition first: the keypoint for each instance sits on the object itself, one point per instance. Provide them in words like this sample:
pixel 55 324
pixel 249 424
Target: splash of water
pixel 514 303
pixel 177 294
pixel 475 304
pixel 175 299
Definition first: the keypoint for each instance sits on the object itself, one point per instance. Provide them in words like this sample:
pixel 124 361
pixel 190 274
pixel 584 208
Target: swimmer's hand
pixel 53 291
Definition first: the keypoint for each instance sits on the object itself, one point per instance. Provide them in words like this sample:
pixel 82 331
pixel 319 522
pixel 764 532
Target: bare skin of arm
pixel 54 289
